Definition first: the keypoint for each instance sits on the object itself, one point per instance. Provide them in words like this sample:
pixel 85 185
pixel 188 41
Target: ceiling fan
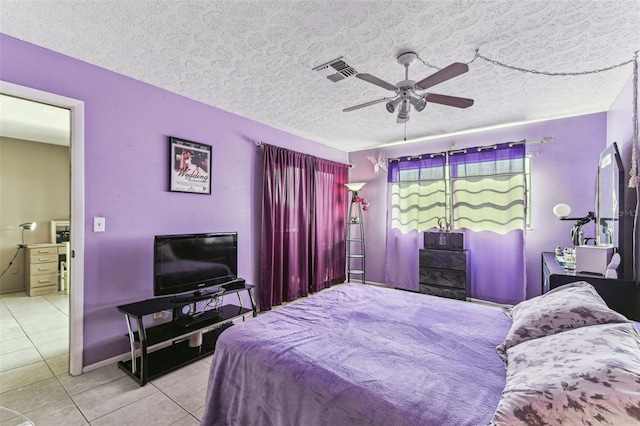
pixel 408 92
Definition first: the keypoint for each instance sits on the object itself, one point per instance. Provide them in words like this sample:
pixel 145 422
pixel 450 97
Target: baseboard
pixel 106 362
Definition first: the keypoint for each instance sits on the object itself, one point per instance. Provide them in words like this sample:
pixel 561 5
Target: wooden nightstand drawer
pixel 37 251
pixel 44 268
pixel 44 258
pixel 38 291
pixel 44 280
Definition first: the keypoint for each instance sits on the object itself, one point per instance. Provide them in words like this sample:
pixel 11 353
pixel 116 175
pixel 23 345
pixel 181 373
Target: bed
pixel 366 355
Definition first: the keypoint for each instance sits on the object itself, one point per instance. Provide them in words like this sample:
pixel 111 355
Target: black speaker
pixel 457 241
pixel 444 240
pixel 430 240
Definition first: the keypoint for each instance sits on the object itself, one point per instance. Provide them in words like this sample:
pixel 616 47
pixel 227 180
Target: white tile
pixel 156 409
pixel 23 376
pixel 189 393
pixel 15 344
pixel 76 384
pixel 104 399
pixel 187 421
pixel 19 358
pixel 40 312
pixel 50 336
pixel 39 325
pixel 12 418
pixel 33 396
pixel 59 413
pixel 60 301
pixel 59 365
pixel 11 333
pixel 199 413
pixel 53 349
pixel 193 371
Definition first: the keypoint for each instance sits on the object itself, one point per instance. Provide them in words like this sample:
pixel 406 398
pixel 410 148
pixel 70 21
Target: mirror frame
pixel 610 192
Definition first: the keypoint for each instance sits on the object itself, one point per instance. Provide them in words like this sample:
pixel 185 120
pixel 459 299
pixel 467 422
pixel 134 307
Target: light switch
pixel 99 224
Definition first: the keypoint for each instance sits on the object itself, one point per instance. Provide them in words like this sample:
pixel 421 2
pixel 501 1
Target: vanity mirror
pixel 610 200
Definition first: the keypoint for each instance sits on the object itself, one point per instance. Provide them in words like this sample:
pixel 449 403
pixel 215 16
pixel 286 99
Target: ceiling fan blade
pixel 375 80
pixel 366 104
pixel 453 101
pixel 444 74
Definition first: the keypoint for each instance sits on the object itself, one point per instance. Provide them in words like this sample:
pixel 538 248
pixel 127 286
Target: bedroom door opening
pixel 75 259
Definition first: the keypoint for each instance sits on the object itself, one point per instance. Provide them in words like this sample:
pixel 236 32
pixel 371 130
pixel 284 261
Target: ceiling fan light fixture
pixel 391 105
pixel 419 103
pixel 403 114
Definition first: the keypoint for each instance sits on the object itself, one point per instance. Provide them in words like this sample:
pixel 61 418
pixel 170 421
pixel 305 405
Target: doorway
pixel 76 240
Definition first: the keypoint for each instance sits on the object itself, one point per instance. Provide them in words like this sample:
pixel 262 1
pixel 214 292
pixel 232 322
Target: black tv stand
pixel 161 348
pixel 196 296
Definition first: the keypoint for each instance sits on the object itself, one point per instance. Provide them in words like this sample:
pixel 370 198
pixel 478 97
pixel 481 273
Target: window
pixel 480 189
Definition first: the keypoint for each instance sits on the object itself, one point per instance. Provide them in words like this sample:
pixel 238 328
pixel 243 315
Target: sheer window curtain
pixel 417 201
pixel 482 192
pixel 302 197
pixel 488 202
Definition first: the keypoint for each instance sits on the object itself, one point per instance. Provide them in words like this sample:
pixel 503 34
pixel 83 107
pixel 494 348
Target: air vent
pixel 336 70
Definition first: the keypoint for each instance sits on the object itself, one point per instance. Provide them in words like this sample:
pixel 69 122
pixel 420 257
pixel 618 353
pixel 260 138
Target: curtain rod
pixel 260 143
pixel 479 148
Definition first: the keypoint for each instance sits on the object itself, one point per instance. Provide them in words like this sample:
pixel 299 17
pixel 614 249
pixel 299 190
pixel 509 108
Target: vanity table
pixel 620 295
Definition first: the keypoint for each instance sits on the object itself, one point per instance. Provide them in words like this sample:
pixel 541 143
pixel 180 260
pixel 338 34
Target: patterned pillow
pixel 564 308
pixel 586 376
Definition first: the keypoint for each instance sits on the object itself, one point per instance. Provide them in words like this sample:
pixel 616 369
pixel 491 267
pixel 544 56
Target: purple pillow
pixel 564 308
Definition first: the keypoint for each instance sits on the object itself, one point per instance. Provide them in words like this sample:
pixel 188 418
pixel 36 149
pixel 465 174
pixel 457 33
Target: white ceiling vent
pixel 336 70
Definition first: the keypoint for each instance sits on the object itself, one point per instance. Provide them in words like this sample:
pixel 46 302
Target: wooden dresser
pixel 42 268
pixel 444 273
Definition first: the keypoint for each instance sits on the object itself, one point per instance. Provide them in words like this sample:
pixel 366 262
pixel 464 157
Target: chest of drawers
pixel 444 273
pixel 41 269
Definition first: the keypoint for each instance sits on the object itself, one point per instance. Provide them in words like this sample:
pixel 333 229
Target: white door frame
pixel 76 240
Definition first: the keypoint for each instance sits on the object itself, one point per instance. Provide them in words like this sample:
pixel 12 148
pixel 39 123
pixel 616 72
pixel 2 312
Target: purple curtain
pixel 292 249
pixel 497 266
pixel 329 220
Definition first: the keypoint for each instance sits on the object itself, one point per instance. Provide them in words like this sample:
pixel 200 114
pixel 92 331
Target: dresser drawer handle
pixel 44 251
pixel 44 269
pixel 44 258
pixel 43 281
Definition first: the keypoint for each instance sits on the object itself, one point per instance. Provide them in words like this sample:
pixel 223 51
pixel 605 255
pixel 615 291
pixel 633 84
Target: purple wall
pixel 562 171
pixel 126 128
pixel 620 130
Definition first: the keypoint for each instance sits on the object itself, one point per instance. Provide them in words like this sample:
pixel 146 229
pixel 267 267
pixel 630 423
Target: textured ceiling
pixel 255 58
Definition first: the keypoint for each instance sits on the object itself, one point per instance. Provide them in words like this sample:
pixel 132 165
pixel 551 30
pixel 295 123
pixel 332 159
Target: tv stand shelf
pixel 165 347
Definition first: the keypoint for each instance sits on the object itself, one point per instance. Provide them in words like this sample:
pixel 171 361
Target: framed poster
pixel 189 166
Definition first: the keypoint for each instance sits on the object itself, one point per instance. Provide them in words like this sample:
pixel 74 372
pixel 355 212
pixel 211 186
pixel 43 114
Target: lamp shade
pixel 355 186
pixel 561 210
pixel 28 226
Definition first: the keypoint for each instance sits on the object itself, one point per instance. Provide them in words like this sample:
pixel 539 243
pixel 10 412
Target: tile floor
pixel 34 378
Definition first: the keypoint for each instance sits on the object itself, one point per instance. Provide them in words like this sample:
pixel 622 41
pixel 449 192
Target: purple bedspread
pixel 360 355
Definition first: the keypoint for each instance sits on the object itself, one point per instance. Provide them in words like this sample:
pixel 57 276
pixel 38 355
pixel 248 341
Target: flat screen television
pixel 193 262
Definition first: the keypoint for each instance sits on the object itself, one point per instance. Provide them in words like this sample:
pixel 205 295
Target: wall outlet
pixel 157 315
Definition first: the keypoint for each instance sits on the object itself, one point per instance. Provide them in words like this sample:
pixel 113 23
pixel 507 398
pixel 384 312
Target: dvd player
pixel 235 284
